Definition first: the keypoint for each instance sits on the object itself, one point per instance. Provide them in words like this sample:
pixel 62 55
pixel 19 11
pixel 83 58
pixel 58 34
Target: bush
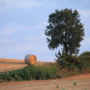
pixel 85 60
pixel 69 62
pixel 72 63
pixel 30 73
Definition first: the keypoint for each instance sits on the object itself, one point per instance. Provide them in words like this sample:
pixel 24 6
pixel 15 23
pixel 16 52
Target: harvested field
pixel 82 83
pixel 3 60
pixel 41 63
pixel 11 64
pixel 8 67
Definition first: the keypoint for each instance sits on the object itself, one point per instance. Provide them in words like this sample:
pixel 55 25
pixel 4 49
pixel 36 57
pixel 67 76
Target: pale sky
pixel 23 23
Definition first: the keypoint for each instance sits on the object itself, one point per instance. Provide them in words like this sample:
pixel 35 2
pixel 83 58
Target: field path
pixel 78 82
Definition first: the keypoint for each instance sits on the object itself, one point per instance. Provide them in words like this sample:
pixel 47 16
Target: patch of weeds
pixel 85 89
pixel 57 86
pixel 75 83
pixel 63 89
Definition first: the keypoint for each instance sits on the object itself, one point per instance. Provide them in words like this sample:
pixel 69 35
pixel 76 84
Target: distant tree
pixel 65 30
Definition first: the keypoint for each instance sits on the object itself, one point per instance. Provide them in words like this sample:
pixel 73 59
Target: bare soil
pixel 78 82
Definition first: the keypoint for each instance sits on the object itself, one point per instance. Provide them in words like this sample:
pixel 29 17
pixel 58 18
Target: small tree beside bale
pixel 30 59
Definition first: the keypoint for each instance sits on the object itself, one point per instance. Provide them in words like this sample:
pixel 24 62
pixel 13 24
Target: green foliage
pixel 86 53
pixel 65 29
pixel 68 62
pixel 30 73
pixel 74 63
pixel 85 60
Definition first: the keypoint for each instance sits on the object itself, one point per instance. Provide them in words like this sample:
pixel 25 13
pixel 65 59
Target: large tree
pixel 65 30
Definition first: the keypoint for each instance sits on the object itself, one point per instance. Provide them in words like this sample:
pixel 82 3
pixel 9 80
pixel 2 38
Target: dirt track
pixel 82 83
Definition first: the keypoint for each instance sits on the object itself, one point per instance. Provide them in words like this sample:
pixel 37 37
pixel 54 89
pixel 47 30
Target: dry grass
pixel 11 64
pixel 8 67
pixel 44 63
pixel 11 60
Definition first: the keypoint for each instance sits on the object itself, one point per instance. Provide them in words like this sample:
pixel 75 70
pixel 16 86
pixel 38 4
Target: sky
pixel 23 23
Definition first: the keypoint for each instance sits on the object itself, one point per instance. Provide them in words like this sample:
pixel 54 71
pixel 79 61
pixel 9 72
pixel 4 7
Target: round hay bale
pixel 30 59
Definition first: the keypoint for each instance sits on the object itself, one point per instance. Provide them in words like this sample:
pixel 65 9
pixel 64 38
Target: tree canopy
pixel 65 30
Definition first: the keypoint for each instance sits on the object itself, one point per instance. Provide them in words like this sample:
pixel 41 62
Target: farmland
pixel 82 83
pixel 11 64
pixel 77 82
